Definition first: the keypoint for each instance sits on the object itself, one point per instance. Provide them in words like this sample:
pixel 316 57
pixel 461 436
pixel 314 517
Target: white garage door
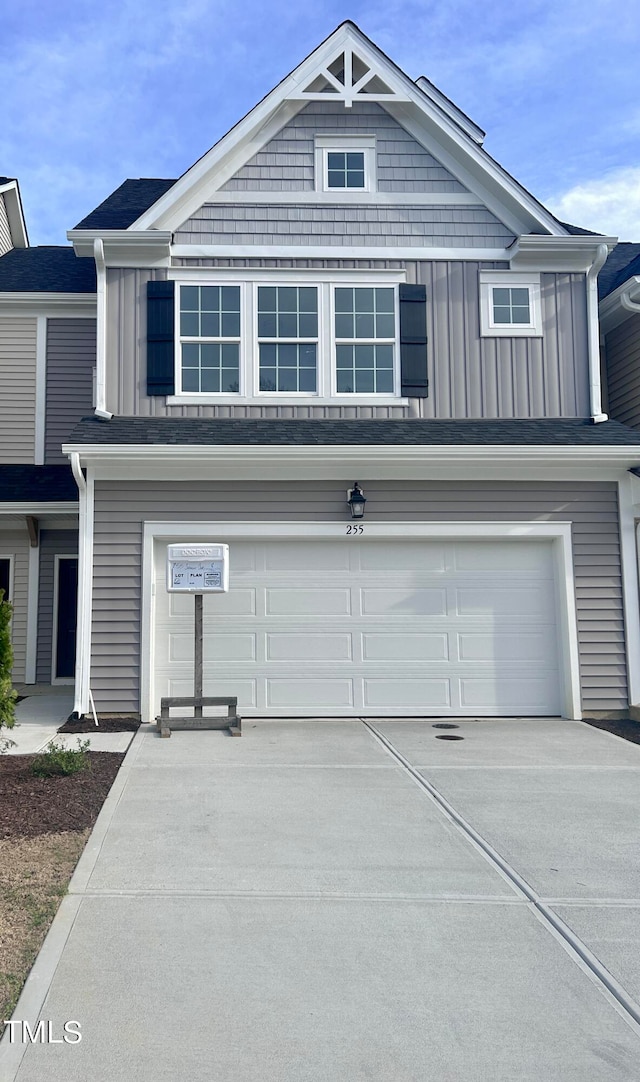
pixel 378 627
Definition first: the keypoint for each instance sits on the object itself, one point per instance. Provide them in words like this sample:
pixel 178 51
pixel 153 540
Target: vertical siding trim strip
pixel 41 391
pixel 33 588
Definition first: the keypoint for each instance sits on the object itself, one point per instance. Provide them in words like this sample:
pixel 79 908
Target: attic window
pixel 510 305
pixel 345 163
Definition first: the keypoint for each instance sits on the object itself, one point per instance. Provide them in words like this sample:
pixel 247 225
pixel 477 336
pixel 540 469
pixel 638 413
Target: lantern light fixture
pixel 356 500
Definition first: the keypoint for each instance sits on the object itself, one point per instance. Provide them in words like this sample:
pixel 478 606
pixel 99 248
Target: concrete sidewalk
pixel 343 901
pixel 41 713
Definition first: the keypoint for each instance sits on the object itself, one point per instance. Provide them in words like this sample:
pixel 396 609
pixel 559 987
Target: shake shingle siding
pixel 71 358
pixel 286 163
pixel 121 510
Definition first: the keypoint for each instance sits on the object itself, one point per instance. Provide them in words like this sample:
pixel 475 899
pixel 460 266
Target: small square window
pixel 345 170
pixel 510 304
pixel 345 164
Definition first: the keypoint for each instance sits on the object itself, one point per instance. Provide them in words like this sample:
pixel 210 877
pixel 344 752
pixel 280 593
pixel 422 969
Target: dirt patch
pixel 44 825
pixel 105 725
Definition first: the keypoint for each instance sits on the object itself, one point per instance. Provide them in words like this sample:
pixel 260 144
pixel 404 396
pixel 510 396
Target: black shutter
pixel 160 338
pixel 413 341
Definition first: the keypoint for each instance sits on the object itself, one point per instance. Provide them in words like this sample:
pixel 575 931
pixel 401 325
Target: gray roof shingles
pixel 148 431
pixel 121 209
pixel 46 269
pixel 622 263
pixel 42 484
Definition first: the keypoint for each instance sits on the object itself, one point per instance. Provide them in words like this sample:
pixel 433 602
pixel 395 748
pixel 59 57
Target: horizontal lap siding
pixel 623 372
pixel 122 508
pixel 71 359
pixel 52 543
pixel 469 376
pixel 286 162
pixel 18 382
pixel 16 543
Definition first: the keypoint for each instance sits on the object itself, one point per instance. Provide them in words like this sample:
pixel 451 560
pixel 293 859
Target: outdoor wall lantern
pixel 356 500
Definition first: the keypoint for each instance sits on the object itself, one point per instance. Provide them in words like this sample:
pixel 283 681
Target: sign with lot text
pixel 197 569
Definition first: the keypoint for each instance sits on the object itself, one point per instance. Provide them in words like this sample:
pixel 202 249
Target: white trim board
pixel 41 389
pixel 256 197
pixel 334 251
pixel 631 600
pixel 559 533
pixel 33 599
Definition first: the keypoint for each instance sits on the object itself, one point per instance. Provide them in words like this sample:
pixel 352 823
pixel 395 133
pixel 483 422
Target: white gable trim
pixel 465 157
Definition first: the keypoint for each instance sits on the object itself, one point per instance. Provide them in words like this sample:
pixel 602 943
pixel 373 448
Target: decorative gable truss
pixel 348 77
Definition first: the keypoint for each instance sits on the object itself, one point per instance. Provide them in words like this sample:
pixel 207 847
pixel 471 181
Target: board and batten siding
pixel 286 162
pixel 121 509
pixel 623 372
pixel 15 543
pixel 6 244
pixel 71 359
pixel 18 383
pixel 52 543
pixel 469 376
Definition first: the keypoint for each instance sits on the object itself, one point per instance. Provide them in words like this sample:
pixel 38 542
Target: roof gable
pixel 346 68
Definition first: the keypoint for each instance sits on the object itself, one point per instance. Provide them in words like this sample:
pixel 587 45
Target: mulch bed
pixel 105 725
pixel 31 806
pixel 628 730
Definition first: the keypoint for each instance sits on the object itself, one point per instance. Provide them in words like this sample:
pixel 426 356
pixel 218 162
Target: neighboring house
pixel 619 289
pixel 47 360
pixel 348 287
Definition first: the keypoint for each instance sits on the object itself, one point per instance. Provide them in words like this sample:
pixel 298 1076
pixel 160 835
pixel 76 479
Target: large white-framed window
pixel 317 335
pixel 510 304
pixel 345 164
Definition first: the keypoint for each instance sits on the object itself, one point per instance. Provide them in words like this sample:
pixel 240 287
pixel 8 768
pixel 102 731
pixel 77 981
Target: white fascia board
pixel 612 311
pixel 570 254
pixel 24 507
pixel 333 251
pixel 448 107
pixel 254 131
pixel 347 198
pixel 123 248
pixel 55 304
pixel 15 215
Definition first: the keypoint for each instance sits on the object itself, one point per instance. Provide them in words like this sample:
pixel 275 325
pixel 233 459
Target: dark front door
pixel 65 630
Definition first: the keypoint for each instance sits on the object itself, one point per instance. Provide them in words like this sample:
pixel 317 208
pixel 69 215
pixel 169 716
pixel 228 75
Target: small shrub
pixel 58 759
pixel 7 694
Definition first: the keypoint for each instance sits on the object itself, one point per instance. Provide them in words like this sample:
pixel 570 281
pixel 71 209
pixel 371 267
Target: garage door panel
pixel 539 646
pixel 313 647
pixel 495 601
pixel 312 556
pixel 405 647
pixel 228 647
pixel 403 601
pixel 508 695
pixel 331 693
pixel 320 602
pixel 417 693
pixel 416 556
pixel 246 690
pixel 502 557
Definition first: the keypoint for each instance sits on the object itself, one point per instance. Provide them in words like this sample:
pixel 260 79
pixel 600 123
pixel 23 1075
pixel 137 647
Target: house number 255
pixel 352 530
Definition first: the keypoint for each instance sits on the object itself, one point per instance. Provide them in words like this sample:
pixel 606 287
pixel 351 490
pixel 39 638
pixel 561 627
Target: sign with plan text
pixel 197 569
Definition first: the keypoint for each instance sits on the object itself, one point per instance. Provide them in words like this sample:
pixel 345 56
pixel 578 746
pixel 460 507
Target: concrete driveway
pixel 351 900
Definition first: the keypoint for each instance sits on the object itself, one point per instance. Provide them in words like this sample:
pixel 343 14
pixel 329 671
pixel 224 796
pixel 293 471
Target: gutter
pixel 593 335
pixel 627 303
pixel 101 410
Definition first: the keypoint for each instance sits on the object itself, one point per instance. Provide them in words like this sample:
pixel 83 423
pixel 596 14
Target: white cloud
pixel 610 204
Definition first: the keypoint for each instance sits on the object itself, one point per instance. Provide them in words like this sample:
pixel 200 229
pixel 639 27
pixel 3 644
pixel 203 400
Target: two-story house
pixel 348 288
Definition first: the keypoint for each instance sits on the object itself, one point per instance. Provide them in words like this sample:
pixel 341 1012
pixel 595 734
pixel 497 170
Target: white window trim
pixel 343 144
pixel 249 393
pixel 504 280
pixel 179 340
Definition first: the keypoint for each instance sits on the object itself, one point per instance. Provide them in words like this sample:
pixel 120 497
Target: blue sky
pixel 96 92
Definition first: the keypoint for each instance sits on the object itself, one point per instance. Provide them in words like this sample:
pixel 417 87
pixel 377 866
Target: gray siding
pixel 71 358
pixel 623 372
pixel 18 383
pixel 357 226
pixel 16 543
pixel 469 376
pixel 52 542
pixel 5 232
pixel 120 510
pixel 286 163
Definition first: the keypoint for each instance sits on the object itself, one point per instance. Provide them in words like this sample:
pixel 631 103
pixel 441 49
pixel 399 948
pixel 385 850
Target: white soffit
pixel 338 64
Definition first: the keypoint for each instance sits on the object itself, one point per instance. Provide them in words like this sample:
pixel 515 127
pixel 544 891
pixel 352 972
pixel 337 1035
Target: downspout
pixel 593 335
pixel 81 695
pixel 101 410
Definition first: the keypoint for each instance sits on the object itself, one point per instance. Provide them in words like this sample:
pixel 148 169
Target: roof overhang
pixel 40 509
pixel 612 308
pixel 148 248
pixel 15 215
pixel 573 254
pixel 64 303
pixel 259 462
